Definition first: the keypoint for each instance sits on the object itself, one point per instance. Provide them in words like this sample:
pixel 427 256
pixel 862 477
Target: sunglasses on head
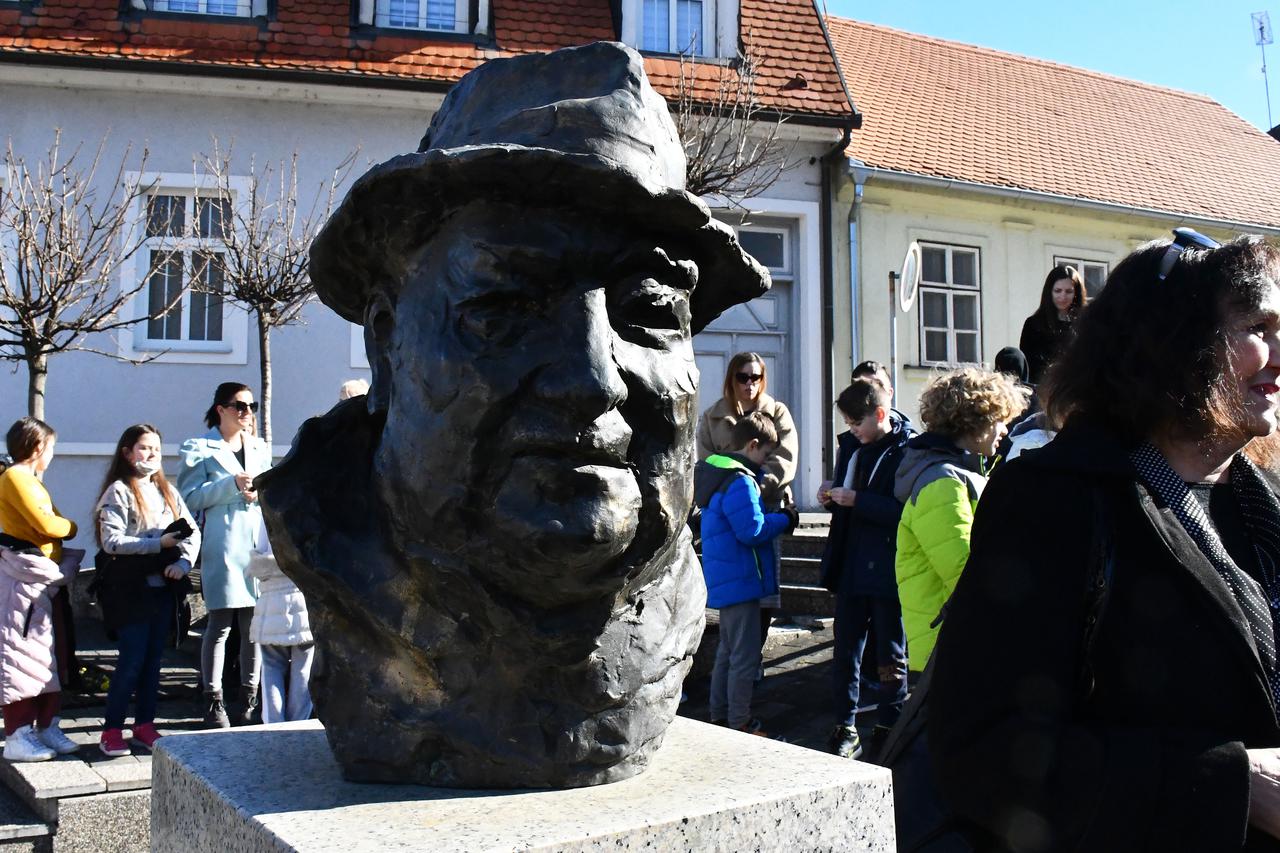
pixel 748 378
pixel 1183 239
pixel 241 406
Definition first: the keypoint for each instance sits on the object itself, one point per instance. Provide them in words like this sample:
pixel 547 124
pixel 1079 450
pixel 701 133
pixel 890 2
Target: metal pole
pixel 1266 85
pixel 893 330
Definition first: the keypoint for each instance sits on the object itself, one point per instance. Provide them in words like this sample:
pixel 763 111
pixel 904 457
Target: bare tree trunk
pixel 37 376
pixel 264 362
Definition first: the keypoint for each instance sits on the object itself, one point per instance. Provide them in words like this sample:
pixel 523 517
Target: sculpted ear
pixel 379 326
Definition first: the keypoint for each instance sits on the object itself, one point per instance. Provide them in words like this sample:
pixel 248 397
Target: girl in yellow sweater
pixel 28 518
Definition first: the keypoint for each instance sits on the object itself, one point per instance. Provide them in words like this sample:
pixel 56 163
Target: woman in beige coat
pixel 744 392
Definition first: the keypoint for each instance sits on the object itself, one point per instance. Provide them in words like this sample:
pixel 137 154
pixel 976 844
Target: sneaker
pixel 216 715
pixel 24 745
pixel 754 727
pixel 146 735
pixel 53 737
pixel 845 742
pixel 112 743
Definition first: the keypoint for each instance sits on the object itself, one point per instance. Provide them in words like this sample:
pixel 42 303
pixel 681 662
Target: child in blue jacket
pixel 738 562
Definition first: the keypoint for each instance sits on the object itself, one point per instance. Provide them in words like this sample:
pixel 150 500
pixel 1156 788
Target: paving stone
pixel 106 823
pixel 126 773
pixel 18 821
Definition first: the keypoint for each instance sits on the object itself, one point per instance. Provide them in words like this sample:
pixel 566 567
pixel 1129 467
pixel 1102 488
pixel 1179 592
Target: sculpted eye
pixel 647 305
pixel 496 318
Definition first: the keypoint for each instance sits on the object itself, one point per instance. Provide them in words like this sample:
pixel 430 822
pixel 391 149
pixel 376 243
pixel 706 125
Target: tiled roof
pixel 798 74
pixel 955 111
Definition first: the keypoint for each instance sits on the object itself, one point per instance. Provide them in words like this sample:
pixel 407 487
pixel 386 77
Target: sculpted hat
pixel 581 128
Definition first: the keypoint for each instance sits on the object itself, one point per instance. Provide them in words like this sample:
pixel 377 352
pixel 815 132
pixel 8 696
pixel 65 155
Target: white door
pixel 762 325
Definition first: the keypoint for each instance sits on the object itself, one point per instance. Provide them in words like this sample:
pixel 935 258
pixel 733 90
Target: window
pixel 450 16
pixel 675 26
pixel 950 305
pixel 691 27
pixel 229 8
pixel 1094 272
pixel 182 260
pixel 769 246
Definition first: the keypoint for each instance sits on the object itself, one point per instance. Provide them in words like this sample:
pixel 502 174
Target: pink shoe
pixel 112 743
pixel 146 735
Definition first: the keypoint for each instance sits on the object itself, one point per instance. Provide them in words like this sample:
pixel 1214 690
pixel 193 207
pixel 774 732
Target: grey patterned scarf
pixel 1261 513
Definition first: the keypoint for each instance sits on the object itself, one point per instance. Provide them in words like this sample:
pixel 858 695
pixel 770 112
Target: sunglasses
pixel 748 378
pixel 1183 239
pixel 241 406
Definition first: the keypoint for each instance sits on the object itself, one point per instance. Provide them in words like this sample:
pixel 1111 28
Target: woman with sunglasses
pixel 1111 570
pixel 216 480
pixel 742 393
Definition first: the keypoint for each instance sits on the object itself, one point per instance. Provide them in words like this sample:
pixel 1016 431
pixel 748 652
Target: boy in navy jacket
pixel 858 564
pixel 738 562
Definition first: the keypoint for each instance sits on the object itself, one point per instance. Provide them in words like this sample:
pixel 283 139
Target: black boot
pixel 215 717
pixel 247 716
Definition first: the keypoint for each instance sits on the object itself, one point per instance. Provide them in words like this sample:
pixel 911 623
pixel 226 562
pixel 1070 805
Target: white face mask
pixel 146 469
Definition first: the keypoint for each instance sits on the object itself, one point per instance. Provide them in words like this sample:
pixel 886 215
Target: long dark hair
pixel 222 397
pixel 1150 356
pixel 1047 314
pixel 121 469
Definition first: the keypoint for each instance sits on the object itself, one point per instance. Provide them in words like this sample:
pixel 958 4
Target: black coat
pixel 862 544
pixel 1153 758
pixel 1042 345
pixel 122 590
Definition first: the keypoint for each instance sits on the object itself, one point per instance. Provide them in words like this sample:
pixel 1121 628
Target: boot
pixel 246 716
pixel 216 715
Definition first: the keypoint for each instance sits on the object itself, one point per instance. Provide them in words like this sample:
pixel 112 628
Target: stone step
pixel 814 521
pixel 805 571
pixel 802 599
pixel 20 828
pixel 804 542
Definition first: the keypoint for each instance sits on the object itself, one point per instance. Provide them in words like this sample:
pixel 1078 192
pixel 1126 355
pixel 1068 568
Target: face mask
pixel 146 469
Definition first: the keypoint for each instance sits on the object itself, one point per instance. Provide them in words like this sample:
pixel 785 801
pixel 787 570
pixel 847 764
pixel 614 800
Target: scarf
pixel 1261 513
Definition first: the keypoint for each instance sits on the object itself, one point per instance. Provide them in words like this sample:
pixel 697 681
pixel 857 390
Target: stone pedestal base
pixel 708 788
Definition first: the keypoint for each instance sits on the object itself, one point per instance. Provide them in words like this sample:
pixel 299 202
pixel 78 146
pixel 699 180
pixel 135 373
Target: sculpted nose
pixel 584 377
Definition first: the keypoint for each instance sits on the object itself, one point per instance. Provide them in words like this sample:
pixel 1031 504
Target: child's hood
pixel 710 475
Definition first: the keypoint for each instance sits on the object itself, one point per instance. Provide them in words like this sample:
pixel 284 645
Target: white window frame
pixel 244 8
pixel 784 271
pixel 134 341
pixel 374 13
pixel 719 33
pixel 1081 263
pixel 950 290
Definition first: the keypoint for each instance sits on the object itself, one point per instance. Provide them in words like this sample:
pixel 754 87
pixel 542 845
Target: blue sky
pixel 1204 47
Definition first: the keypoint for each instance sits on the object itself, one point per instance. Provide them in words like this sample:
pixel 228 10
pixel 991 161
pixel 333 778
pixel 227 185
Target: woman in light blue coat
pixel 216 481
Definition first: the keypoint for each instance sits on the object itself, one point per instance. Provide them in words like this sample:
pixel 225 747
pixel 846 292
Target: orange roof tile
pixel 950 110
pixel 785 36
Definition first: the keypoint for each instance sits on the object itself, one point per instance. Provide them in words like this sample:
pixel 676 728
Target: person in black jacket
pixel 1046 333
pixel 1069 718
pixel 858 561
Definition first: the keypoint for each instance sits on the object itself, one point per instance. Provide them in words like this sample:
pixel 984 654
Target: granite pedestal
pixel 278 788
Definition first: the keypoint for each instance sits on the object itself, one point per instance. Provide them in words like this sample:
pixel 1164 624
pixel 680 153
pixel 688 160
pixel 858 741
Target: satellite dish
pixel 909 280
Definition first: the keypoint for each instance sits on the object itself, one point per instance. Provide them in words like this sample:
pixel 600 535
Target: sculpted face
pixel 538 377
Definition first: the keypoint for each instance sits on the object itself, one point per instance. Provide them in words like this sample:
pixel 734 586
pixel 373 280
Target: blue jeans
pixel 138 668
pixel 855 614
pixel 295 662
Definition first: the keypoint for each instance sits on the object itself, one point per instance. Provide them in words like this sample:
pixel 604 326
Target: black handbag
pixel 925 824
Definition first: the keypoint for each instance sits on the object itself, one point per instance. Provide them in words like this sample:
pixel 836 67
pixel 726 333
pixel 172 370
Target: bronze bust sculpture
pixel 492 542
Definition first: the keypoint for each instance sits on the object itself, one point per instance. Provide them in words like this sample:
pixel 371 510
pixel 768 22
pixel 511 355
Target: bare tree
pixel 62 253
pixel 733 146
pixel 267 236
